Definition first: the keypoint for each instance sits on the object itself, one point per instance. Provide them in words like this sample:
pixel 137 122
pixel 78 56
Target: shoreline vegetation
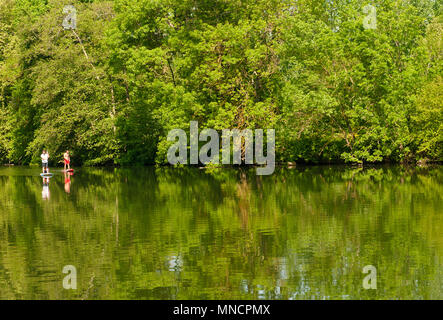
pixel 244 166
pixel 111 89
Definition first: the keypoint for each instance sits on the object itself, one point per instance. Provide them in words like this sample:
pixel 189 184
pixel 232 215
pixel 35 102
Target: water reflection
pixel 45 191
pixel 166 233
pixel 68 181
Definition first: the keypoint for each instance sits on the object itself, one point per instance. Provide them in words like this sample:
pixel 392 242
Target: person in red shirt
pixel 67 160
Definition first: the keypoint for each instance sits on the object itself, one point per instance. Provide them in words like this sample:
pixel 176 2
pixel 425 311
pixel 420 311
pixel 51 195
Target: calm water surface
pixel 163 233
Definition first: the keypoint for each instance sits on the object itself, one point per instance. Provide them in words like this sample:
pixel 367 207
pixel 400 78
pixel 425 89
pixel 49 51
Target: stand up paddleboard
pixel 46 175
pixel 70 170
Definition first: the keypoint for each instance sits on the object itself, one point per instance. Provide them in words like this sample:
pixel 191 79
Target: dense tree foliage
pixel 111 89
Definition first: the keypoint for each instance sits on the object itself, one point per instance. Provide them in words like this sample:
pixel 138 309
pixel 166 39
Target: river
pixel 188 233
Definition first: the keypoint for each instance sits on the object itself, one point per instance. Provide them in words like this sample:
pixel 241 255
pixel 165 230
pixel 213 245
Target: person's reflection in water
pixel 45 190
pixel 68 182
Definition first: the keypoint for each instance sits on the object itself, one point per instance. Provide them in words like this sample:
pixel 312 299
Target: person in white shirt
pixel 45 158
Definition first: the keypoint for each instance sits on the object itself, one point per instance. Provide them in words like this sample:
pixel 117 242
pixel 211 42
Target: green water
pixel 164 233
